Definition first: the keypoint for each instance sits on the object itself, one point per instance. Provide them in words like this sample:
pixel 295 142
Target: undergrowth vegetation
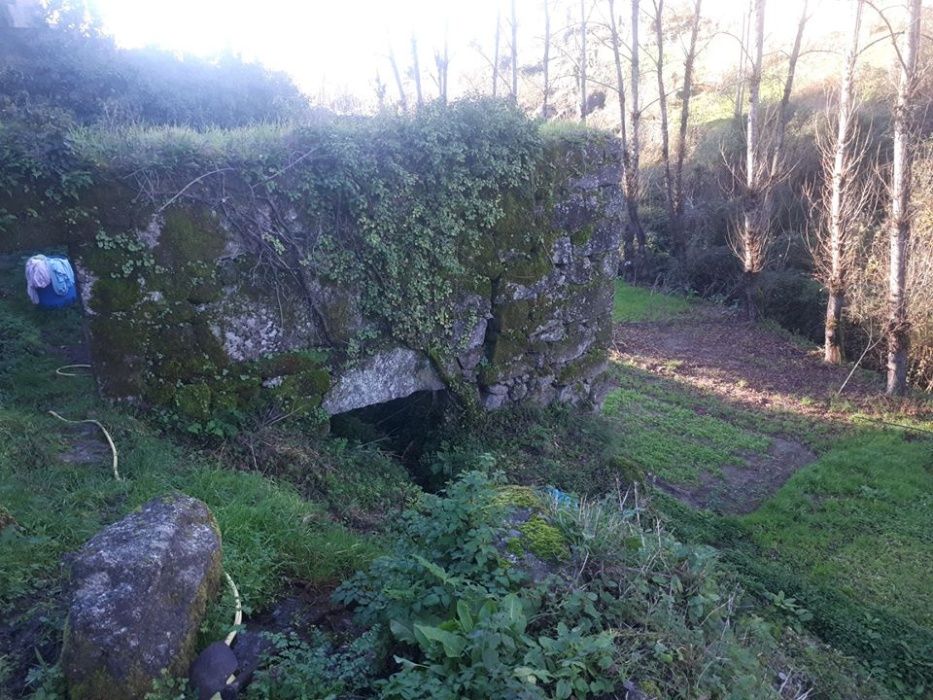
pixel 630 609
pixel 486 590
pixel 633 303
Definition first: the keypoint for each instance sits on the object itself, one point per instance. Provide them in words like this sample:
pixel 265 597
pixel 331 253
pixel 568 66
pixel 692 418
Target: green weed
pixel 638 304
pixel 672 440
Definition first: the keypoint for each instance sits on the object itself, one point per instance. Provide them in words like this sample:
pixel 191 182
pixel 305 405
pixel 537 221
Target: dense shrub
pixel 630 609
pixel 795 300
pixel 79 71
pixel 713 271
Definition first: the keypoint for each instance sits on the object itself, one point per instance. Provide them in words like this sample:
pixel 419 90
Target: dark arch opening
pixel 402 426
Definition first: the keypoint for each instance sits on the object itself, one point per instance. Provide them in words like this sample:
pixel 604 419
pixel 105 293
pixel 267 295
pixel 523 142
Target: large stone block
pixel 140 590
pixel 214 294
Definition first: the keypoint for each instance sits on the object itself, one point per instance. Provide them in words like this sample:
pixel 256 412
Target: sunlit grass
pixel 639 304
pixel 860 520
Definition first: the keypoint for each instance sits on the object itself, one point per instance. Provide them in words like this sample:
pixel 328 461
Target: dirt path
pixel 751 367
pixel 715 351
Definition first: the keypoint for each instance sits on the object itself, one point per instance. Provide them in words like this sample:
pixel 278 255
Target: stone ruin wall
pixel 208 336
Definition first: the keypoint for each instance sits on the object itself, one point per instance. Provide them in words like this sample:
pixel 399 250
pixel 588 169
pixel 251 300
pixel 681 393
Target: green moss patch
pixel 544 540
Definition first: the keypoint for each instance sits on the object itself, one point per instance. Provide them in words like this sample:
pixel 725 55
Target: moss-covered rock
pixel 544 540
pixel 141 588
pixel 204 309
pixel 518 497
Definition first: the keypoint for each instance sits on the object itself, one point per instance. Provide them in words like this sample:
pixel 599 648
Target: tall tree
pixel 403 100
pixel 673 174
pixel 628 235
pixel 628 182
pixel 546 63
pixel 783 116
pixel 841 200
pixel 744 41
pixel 416 71
pixel 514 48
pixel 495 54
pixel 662 108
pixel 442 63
pixel 634 188
pixel 753 237
pixel 380 88
pixel 765 166
pixel 899 233
pixel 689 60
pixel 583 58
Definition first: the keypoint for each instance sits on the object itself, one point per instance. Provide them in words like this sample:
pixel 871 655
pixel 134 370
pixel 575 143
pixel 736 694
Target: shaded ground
pixel 741 489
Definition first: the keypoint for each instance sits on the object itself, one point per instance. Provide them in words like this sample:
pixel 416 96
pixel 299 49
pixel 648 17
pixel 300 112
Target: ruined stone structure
pixel 185 311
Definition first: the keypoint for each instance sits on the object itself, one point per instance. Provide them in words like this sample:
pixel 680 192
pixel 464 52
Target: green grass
pixel 848 538
pixel 672 440
pixel 270 532
pixel 859 520
pixel 848 535
pixel 638 304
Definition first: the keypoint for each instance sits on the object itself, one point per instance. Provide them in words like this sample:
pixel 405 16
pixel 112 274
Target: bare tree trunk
pixel 583 31
pixel 777 149
pixel 628 236
pixel 514 54
pixel 416 71
pixel 547 58
pixel 442 61
pixel 743 56
pixel 665 132
pixel 677 222
pixel 774 170
pixel 898 322
pixel 403 100
pixel 838 224
pixel 380 87
pixel 495 55
pixel 753 234
pixel 634 189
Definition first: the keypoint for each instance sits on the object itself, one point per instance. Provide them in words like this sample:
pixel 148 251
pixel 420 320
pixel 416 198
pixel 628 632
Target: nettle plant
pixel 630 608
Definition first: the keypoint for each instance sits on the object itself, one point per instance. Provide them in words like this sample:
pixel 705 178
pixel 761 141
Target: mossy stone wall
pixel 206 303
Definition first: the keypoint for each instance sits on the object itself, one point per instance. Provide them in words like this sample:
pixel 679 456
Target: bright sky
pixel 335 42
pixel 338 45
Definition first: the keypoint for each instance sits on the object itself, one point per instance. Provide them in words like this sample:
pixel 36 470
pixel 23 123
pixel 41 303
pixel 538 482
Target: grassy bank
pixel 57 487
pixel 847 536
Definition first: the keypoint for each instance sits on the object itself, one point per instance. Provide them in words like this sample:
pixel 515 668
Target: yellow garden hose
pixel 62 373
pixel 238 615
pixel 113 448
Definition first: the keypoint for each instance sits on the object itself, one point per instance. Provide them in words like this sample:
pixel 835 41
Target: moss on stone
pixel 518 497
pixel 582 235
pixel 531 266
pixel 515 546
pixel 111 294
pixel 544 540
pixel 514 315
pixel 582 366
pixel 194 401
pixel 188 236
